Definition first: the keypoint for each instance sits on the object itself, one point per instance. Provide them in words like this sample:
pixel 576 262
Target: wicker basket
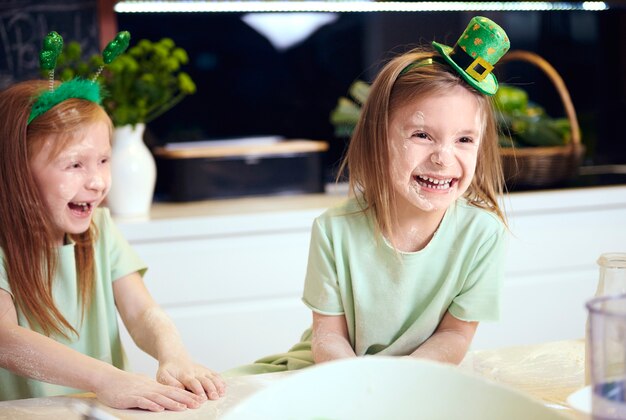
pixel 544 166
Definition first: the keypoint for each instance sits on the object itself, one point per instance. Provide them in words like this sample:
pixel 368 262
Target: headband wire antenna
pixel 113 50
pixel 52 47
pixel 76 88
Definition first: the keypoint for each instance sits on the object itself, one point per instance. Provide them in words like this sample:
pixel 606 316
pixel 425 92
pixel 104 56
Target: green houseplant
pixel 146 81
pixel 140 84
pixel 348 109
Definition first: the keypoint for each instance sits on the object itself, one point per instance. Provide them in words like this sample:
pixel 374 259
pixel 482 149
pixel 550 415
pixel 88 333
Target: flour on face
pixel 76 180
pixel 434 143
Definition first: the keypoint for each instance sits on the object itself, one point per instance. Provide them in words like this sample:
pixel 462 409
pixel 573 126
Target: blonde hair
pixel 400 81
pixel 26 229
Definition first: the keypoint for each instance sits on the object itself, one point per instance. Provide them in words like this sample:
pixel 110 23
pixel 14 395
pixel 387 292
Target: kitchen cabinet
pixel 230 272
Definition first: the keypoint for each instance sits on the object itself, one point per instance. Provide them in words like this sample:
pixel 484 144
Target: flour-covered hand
pixel 129 390
pixel 185 374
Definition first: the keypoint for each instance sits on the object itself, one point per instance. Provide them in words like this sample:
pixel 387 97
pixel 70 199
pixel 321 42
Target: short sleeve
pixel 124 259
pixel 4 279
pixel 321 288
pixel 479 299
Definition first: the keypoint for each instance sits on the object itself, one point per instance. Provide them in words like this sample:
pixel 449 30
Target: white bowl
pixel 388 388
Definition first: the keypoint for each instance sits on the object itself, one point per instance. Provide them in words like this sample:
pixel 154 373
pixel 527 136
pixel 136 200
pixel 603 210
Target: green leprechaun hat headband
pixel 476 52
pixel 75 88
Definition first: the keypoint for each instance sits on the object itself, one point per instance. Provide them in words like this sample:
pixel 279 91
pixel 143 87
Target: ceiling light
pixel 181 6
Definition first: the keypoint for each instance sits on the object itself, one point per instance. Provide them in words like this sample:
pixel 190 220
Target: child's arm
pixel 330 338
pixel 30 354
pixel 449 342
pixel 154 332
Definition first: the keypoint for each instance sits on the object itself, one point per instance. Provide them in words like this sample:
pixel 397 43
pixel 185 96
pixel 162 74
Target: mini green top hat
pixel 478 49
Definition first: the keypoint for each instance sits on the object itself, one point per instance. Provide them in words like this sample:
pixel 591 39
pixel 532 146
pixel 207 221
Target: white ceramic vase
pixel 133 173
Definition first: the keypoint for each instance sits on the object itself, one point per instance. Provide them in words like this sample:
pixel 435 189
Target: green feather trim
pixel 75 88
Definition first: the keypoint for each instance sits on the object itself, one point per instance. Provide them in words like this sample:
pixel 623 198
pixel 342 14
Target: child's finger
pixel 143 403
pixel 218 381
pixel 194 385
pixel 167 402
pixel 210 387
pixel 167 379
pixel 183 396
pixel 219 384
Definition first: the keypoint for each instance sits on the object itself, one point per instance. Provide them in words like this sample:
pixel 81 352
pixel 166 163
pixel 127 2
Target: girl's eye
pixel 420 135
pixel 104 160
pixel 466 140
pixel 74 165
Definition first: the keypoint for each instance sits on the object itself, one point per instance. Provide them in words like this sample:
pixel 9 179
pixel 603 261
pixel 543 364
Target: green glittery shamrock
pixel 116 47
pixel 52 47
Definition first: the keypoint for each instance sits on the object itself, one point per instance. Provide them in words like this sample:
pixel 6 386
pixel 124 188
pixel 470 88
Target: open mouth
pixel 81 209
pixel 435 183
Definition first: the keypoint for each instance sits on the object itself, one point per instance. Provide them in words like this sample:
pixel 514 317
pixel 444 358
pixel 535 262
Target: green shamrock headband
pixel 75 88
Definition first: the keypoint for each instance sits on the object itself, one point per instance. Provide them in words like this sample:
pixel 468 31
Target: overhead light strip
pixel 139 6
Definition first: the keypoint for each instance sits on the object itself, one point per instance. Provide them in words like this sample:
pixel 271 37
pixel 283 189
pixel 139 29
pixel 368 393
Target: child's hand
pixel 129 390
pixel 183 373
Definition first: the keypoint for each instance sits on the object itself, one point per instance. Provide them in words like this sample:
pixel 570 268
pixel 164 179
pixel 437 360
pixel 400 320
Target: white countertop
pixel 524 201
pixel 284 212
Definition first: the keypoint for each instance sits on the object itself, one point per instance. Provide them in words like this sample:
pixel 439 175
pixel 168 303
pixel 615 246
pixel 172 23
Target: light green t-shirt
pixel 393 305
pixel 99 332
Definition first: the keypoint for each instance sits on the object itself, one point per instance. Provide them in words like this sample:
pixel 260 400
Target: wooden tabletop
pixel 549 372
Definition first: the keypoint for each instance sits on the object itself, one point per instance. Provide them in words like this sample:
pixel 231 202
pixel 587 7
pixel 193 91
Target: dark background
pixel 246 87
pixel 24 24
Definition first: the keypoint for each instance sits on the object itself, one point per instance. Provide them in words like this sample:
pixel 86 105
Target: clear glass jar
pixel 612 281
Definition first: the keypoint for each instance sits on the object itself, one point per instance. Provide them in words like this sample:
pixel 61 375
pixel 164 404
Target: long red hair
pixel 26 229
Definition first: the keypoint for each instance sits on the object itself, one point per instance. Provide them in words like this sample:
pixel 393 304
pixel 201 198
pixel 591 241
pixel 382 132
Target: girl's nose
pixel 96 182
pixel 443 156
